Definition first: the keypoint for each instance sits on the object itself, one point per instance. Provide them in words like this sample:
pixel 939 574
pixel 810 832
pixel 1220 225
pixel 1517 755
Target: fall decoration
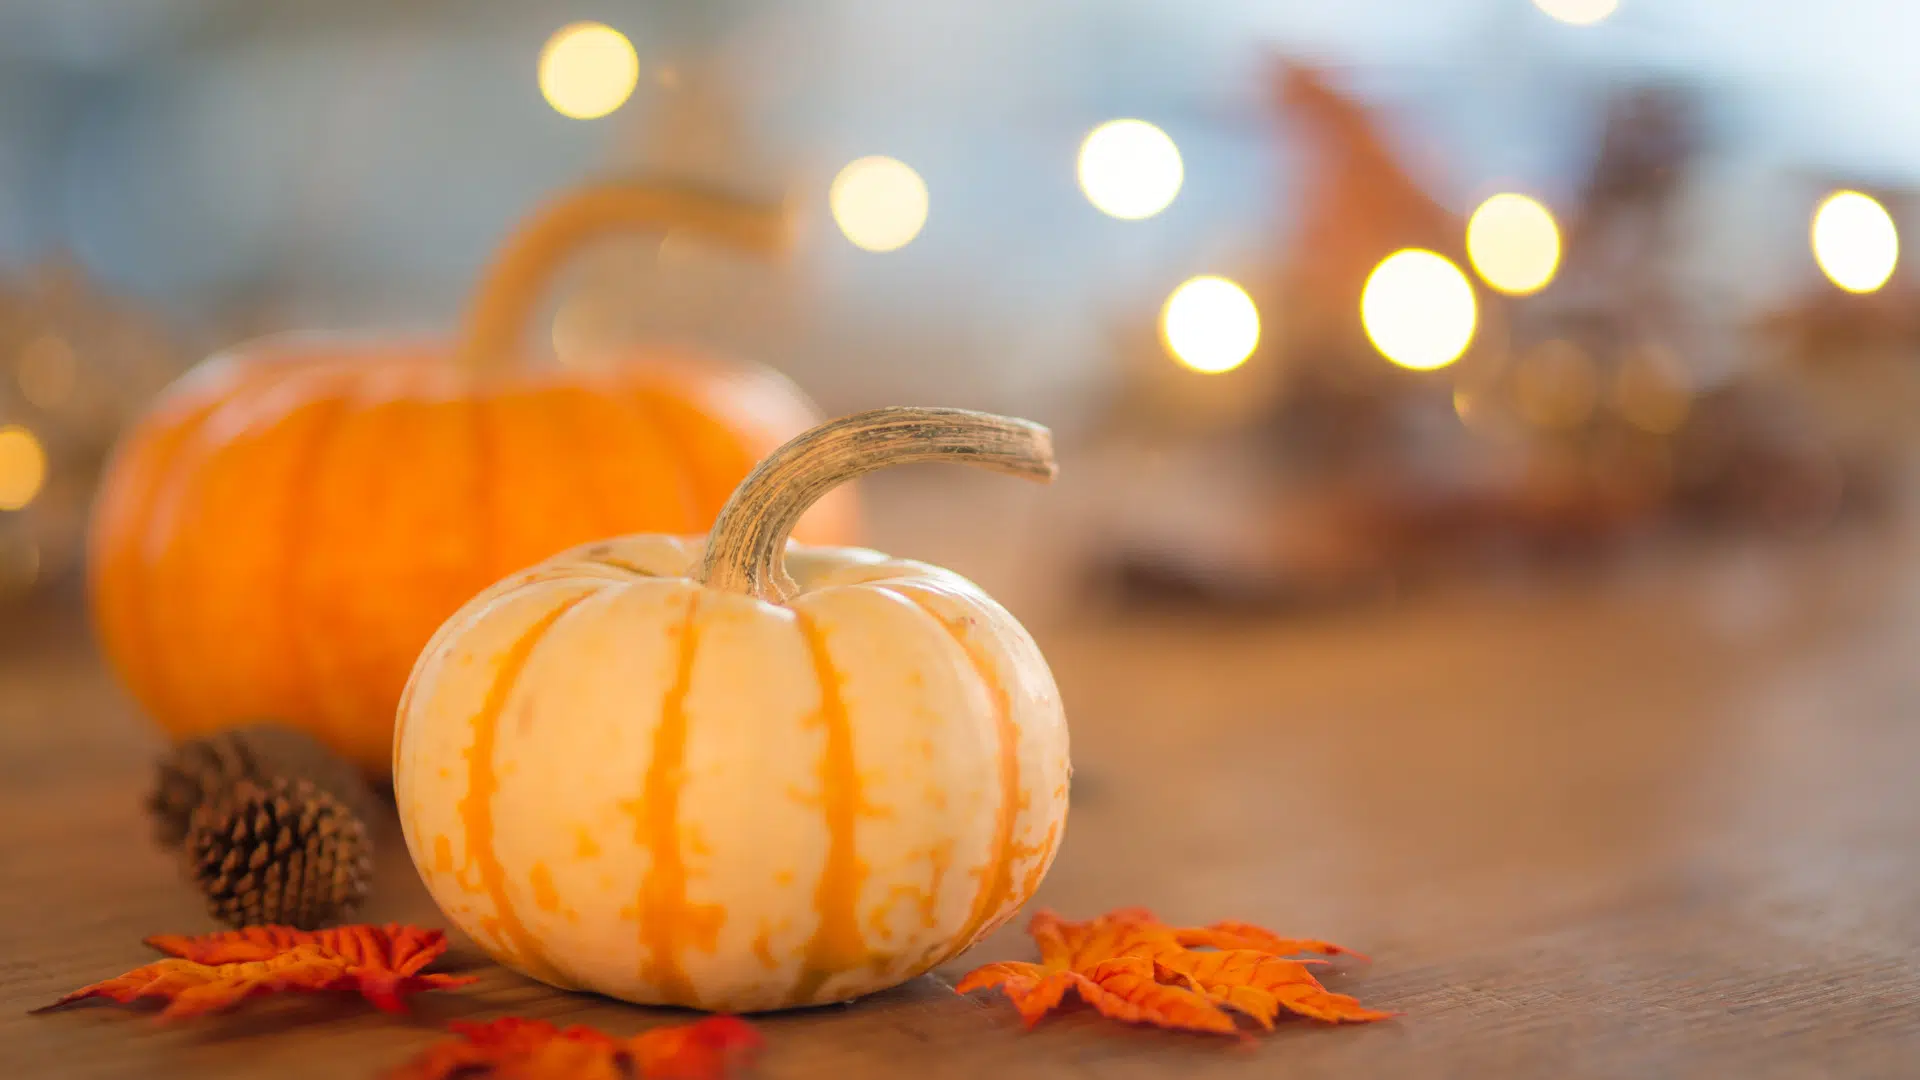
pixel 710 1049
pixel 1130 966
pixel 738 775
pixel 217 971
pixel 284 529
pixel 397 946
pixel 287 853
pixel 207 769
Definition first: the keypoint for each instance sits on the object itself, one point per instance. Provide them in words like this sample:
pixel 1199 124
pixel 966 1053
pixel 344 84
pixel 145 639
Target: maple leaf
pixel 1241 935
pixel 711 1048
pixel 216 971
pixel 1231 934
pixel 396 947
pixel 1260 985
pixel 191 988
pixel 383 962
pixel 1089 958
pixel 517 1049
pixel 1130 966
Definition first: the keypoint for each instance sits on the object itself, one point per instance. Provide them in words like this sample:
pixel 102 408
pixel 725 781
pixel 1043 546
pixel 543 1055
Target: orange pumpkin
pixel 281 534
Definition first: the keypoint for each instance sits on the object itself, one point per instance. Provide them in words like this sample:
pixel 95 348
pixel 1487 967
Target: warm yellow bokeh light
pixel 879 203
pixel 587 70
pixel 1855 241
pixel 23 467
pixel 1210 325
pixel 1130 169
pixel 1418 309
pixel 1578 12
pixel 1513 244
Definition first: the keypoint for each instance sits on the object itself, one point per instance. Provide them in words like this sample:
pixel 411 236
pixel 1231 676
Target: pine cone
pixel 206 769
pixel 289 853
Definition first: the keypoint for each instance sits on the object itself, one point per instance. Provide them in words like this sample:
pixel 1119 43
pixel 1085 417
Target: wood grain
pixel 1658 822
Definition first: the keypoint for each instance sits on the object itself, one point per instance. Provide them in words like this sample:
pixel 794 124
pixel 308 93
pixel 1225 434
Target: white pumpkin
pixel 682 774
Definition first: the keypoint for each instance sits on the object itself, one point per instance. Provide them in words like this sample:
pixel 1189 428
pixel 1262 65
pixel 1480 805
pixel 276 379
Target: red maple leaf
pixel 216 971
pixel 516 1049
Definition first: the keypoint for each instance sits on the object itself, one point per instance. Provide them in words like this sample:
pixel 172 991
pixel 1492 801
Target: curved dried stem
pixel 745 551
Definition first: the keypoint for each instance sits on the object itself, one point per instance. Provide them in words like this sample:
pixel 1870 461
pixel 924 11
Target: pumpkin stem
pixel 746 549
pixel 516 280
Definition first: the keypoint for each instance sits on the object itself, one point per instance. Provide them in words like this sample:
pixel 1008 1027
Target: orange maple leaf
pixel 1089 958
pixel 517 1049
pixel 215 971
pixel 191 988
pixel 1242 935
pixel 1232 934
pixel 1107 960
pixel 395 946
pixel 1252 974
pixel 383 962
pixel 1260 985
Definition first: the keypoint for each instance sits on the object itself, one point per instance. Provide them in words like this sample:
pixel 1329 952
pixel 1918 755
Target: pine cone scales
pixel 208 769
pixel 289 853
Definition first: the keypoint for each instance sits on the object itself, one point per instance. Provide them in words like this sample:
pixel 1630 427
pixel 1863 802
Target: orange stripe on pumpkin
pixel 996 878
pixel 667 920
pixel 476 807
pixel 837 944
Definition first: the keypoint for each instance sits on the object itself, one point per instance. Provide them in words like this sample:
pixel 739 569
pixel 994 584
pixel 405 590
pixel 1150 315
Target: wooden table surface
pixel 1658 821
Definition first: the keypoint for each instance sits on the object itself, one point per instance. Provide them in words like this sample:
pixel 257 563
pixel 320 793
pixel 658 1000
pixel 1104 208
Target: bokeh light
pixel 1130 169
pixel 1578 12
pixel 1513 244
pixel 1210 324
pixel 1855 241
pixel 1418 309
pixel 587 70
pixel 879 203
pixel 23 467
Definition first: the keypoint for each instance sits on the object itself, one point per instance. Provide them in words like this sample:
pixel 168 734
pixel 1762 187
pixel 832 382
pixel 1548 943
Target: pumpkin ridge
pixel 837 944
pixel 573 428
pixel 207 441
pixel 135 653
pixel 665 915
pixel 613 563
pixel 596 416
pixel 484 553
pixel 476 807
pixel 680 444
pixel 304 672
pixel 996 882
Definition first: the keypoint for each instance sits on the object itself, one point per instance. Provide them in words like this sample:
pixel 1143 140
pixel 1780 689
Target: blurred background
pixel 1327 302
